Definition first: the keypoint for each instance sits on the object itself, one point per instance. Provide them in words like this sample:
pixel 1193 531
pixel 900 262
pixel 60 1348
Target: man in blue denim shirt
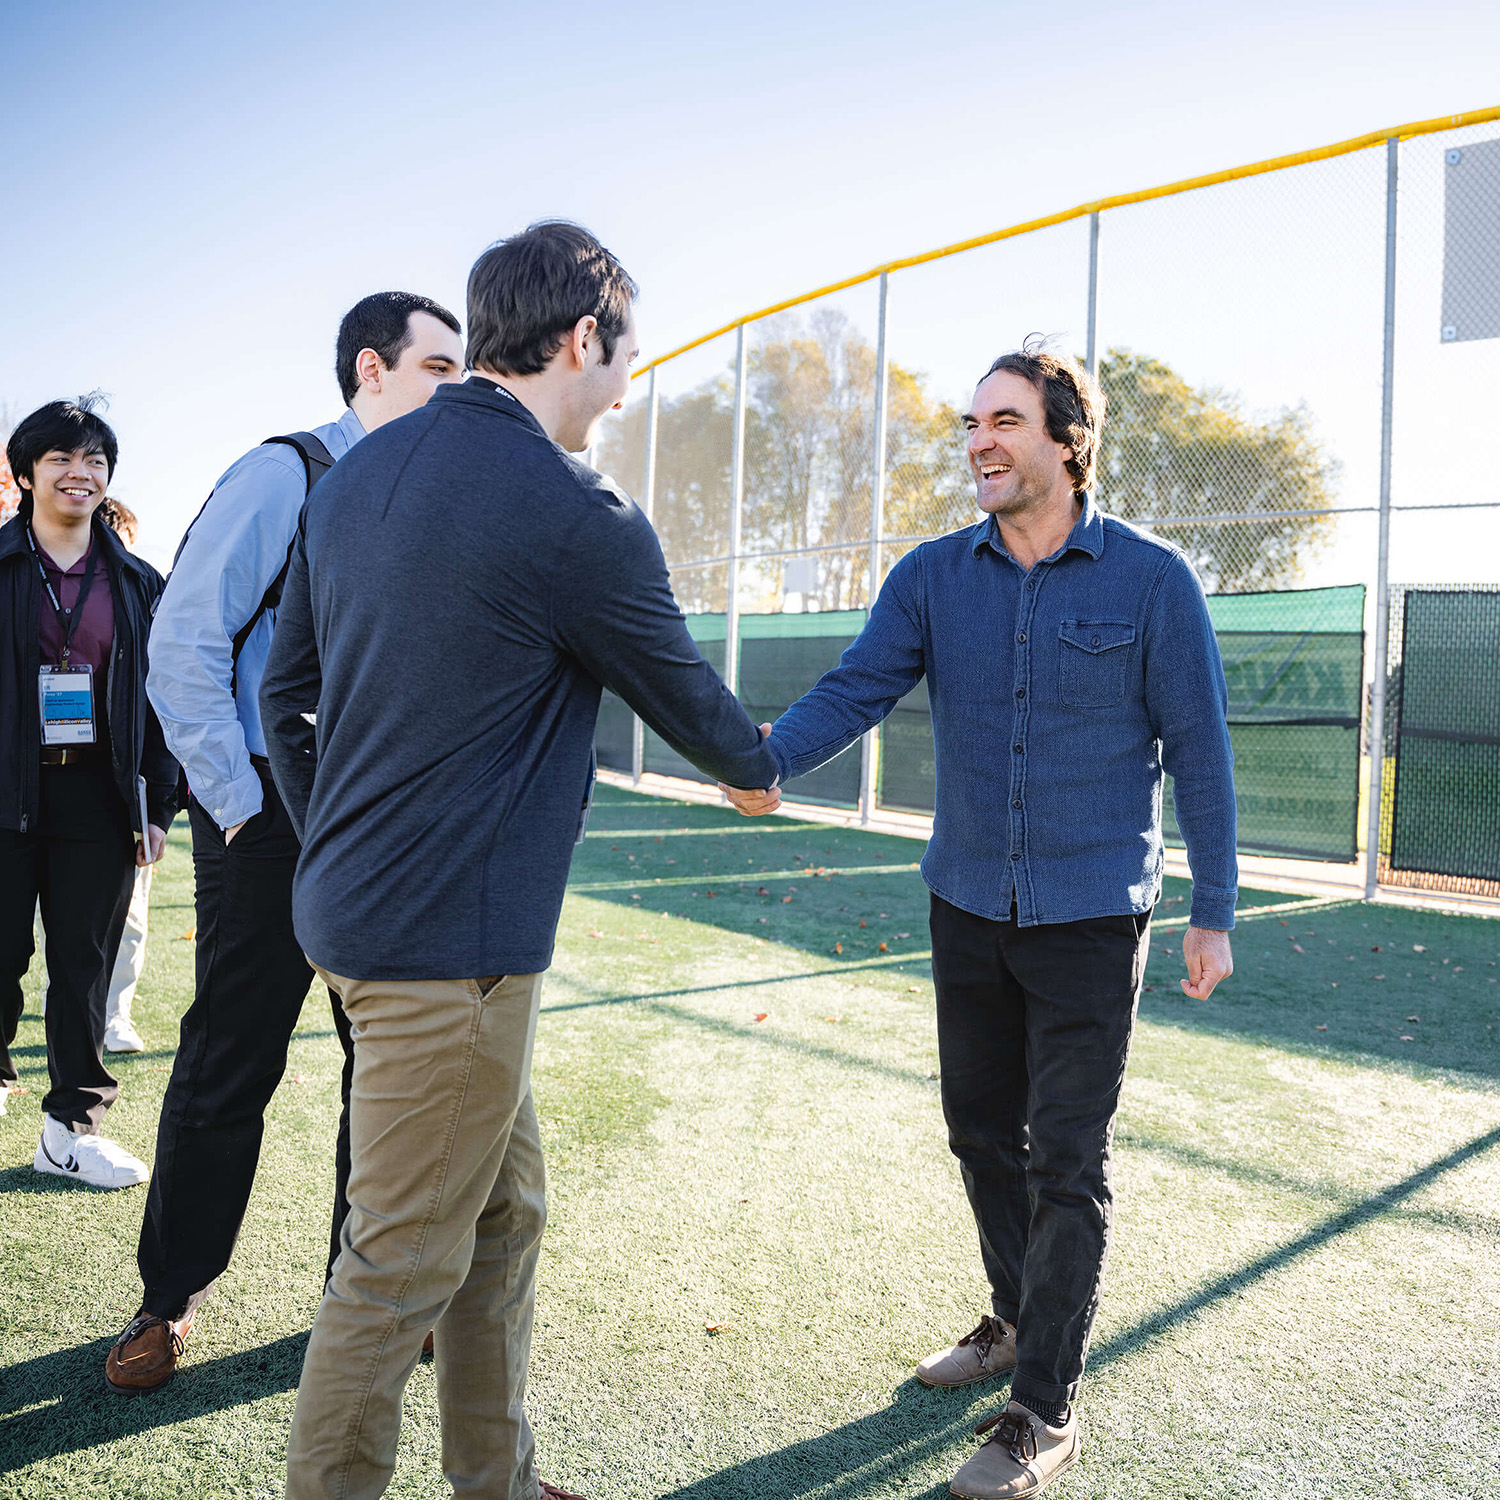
pixel 1070 663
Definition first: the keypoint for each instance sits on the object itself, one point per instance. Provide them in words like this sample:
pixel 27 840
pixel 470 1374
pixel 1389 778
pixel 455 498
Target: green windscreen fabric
pixel 1293 664
pixel 781 656
pixel 1445 817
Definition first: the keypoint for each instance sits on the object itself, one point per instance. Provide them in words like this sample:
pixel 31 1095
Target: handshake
pixel 752 803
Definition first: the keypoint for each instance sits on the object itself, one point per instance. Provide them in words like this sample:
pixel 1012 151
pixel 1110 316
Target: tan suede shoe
pixel 145 1356
pixel 1021 1456
pixel 989 1351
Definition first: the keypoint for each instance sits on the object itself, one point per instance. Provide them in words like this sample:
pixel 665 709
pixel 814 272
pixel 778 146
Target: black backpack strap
pixel 316 462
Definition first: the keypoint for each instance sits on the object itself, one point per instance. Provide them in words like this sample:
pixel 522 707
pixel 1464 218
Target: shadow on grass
pixel 879 1448
pixel 80 1411
pixel 1279 994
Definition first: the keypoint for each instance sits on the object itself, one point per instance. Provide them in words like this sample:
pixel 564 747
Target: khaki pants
pixel 446 1208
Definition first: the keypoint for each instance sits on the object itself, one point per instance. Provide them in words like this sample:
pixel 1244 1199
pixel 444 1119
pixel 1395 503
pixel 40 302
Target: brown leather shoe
pixel 427 1343
pixel 145 1356
pixel 551 1492
pixel 989 1351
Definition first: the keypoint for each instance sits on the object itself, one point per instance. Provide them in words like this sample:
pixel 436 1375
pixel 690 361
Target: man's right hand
pixel 229 833
pixel 752 803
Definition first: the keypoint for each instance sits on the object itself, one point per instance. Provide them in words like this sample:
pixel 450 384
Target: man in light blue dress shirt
pixel 208 649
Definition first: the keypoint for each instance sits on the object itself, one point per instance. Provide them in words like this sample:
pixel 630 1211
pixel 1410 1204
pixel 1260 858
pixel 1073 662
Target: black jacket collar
pixel 13 542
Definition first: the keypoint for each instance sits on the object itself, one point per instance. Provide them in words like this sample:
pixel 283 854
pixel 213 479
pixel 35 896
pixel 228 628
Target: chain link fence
pixel 1294 355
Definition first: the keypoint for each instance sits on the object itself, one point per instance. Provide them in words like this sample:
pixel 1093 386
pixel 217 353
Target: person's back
pixel 472 584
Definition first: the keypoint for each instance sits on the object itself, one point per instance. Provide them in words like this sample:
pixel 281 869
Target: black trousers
pixel 1034 1028
pixel 80 862
pixel 252 978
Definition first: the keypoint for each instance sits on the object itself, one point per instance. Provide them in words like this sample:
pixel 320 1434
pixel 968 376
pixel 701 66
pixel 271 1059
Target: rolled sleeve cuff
pixel 1213 907
pixel 232 802
pixel 779 755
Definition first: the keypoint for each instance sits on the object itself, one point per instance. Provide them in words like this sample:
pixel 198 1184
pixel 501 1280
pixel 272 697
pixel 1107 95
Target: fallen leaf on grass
pixel 1376 948
pixel 299 1077
pixel 708 893
pixel 717 1327
pixel 595 933
pixel 885 948
pixel 884 915
pixel 189 935
pixel 1298 948
pixel 1320 1028
pixel 838 947
pixel 831 1018
pixel 863 923
pixel 903 934
pixel 913 989
pixel 19 1088
pixel 786 900
pixel 1406 1038
pixel 762 919
pixel 1419 947
pixel 1414 1019
pixel 761 1015
pixel 763 892
pixel 1380 976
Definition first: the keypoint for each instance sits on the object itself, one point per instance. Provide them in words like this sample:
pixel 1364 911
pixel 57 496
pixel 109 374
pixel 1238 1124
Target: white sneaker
pixel 121 1036
pixel 86 1158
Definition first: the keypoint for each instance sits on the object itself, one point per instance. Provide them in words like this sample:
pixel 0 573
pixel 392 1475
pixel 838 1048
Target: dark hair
pixel 1071 400
pixel 61 427
pixel 382 322
pixel 120 519
pixel 527 293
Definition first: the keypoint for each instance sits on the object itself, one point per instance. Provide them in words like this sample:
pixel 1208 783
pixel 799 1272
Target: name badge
pixel 67 697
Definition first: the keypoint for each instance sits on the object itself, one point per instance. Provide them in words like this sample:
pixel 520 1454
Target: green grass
pixel 1303 1298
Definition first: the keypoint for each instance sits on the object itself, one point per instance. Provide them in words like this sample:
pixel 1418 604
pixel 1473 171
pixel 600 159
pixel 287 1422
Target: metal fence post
pixel 736 509
pixel 648 504
pixel 1382 569
pixel 869 750
pixel 1091 355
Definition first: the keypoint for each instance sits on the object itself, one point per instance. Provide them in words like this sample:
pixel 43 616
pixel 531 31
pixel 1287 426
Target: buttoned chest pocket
pixel 1094 658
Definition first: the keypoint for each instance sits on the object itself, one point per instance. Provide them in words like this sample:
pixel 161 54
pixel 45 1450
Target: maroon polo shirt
pixel 94 638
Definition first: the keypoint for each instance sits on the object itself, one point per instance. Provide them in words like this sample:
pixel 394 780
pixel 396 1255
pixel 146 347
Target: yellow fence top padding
pixel 1167 190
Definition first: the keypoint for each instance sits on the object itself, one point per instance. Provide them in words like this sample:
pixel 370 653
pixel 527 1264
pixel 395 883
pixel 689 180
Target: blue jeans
pixel 1034 1028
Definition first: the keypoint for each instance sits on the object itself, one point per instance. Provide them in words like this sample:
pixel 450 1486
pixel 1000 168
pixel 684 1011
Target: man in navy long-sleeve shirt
pixel 1070 663
pixel 459 592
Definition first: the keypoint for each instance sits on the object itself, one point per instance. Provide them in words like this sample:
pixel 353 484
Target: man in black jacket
pixel 457 596
pixel 76 732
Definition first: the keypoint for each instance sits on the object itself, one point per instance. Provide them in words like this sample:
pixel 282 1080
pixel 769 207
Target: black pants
pixel 80 862
pixel 252 978
pixel 1034 1029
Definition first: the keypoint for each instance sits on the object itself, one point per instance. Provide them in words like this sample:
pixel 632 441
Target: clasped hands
pixel 749 801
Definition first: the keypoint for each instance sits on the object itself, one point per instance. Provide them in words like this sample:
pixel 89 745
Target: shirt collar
pixel 1087 534
pixel 350 425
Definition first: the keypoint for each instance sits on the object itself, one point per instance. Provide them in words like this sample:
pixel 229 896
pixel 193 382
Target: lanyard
pixel 67 621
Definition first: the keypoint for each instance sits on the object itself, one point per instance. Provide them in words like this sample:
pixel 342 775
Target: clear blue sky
pixel 197 193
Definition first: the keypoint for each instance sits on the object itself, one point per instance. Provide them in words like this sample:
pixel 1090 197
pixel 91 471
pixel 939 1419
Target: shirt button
pixel 1096 640
pixel 1015 856
pixel 1031 583
pixel 1016 803
pixel 1020 692
pixel 1022 637
pixel 1020 749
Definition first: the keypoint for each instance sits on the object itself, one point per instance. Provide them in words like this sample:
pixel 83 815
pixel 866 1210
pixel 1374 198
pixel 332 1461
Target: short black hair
pixel 58 427
pixel 382 322
pixel 527 293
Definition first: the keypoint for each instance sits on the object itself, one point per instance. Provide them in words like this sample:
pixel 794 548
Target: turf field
pixel 756 1228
